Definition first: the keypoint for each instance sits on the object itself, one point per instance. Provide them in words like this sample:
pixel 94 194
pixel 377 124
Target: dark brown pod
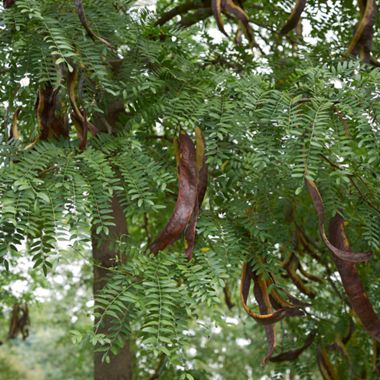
pixel 267 318
pixel 186 199
pixel 294 17
pixel 51 122
pixel 352 283
pixel 291 265
pixel 319 208
pixel 325 366
pixel 294 354
pixel 202 179
pixel 78 115
pixel 86 26
pixel 242 16
pixel 216 6
pixel 364 31
pixel 8 3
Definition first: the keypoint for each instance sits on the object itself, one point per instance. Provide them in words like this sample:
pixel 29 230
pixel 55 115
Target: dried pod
pixel 84 22
pixel 8 3
pixel 242 16
pixel 202 179
pixel 186 199
pixel 294 354
pixel 79 117
pixel 361 42
pixel 15 134
pixel 52 123
pixel 352 284
pixel 291 265
pixel 279 302
pixel 245 284
pixel 216 6
pixel 319 208
pixel 19 322
pixel 294 17
pixel 325 366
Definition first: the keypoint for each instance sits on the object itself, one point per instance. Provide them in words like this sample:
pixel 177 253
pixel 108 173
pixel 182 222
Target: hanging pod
pixel 294 17
pixel 325 366
pixel 229 6
pixel 361 43
pixel 78 115
pixel 202 179
pixel 352 283
pixel 187 195
pixel 294 354
pixel 319 208
pixel 267 316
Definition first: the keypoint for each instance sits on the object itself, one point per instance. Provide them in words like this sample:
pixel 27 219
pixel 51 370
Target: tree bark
pixel 105 256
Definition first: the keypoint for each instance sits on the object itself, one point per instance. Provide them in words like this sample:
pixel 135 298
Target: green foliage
pixel 267 123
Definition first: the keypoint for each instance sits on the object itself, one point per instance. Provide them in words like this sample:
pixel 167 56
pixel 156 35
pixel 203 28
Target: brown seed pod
pixel 352 284
pixel 186 199
pixel 202 179
pixel 19 322
pixel 84 22
pixel 78 116
pixel 268 318
pixel 51 123
pixel 8 3
pixel 294 354
pixel 362 40
pixel 325 366
pixel 294 17
pixel 319 208
pixel 218 6
pixel 291 265
pixel 15 133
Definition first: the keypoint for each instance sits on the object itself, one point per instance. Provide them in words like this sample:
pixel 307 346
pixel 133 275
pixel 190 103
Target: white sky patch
pixel 242 342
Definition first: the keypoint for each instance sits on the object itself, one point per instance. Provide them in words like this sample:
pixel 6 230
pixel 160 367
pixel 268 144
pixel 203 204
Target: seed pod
pixel 325 366
pixel 229 6
pixel 364 30
pixel 352 284
pixel 79 117
pixel 319 208
pixel 291 265
pixel 186 199
pixel 202 179
pixel 216 6
pixel 240 14
pixel 294 17
pixel 294 354
pixel 15 133
pixel 279 302
pixel 287 310
pixel 8 3
pixel 265 307
pixel 84 22
pixel 51 122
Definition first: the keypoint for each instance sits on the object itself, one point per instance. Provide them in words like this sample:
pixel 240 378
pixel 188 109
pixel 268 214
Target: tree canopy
pixel 217 163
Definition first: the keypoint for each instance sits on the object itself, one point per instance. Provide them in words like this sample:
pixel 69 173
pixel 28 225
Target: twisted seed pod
pixel 352 284
pixel 294 17
pixel 319 208
pixel 216 6
pixel 294 354
pixel 186 199
pixel 84 22
pixel 202 179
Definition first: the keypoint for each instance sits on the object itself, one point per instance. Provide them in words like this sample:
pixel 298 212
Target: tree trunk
pixel 104 255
